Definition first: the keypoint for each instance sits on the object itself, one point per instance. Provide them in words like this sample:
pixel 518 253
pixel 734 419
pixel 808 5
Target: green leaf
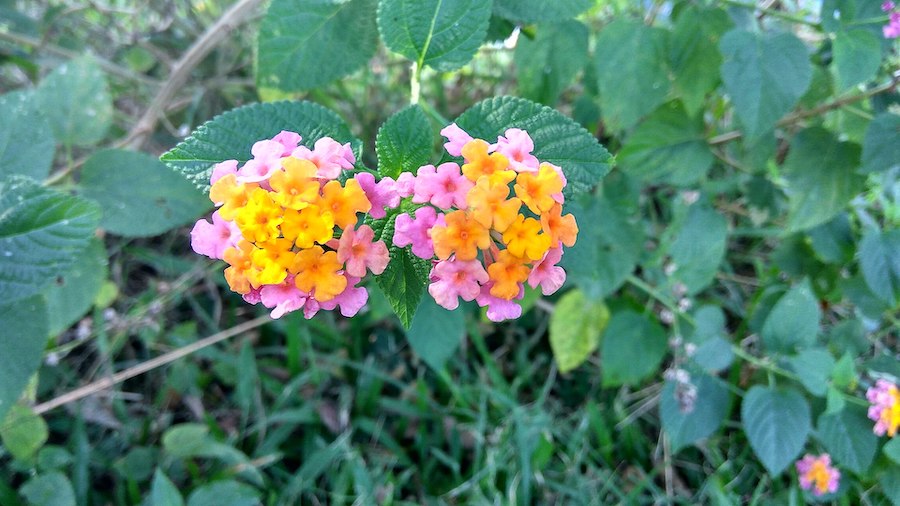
pixel 849 439
pixel 305 44
pixel 892 450
pixel 632 349
pixel 669 146
pixel 435 333
pixel 575 328
pixel 25 334
pixel 709 410
pixel 23 432
pixel 632 74
pixel 713 350
pixel 26 140
pixel 694 54
pixel 231 135
pixel 404 142
pixel 49 489
pixel 879 258
pixel 793 323
pixel 73 293
pixel 163 492
pixel 224 493
pixel 821 177
pixel 542 73
pixel 406 276
pixel 698 247
pixel 765 76
pixel 890 484
pixel 833 241
pixel 442 34
pixel 857 56
pixel 609 244
pixel 842 14
pixel 534 11
pixel 140 196
pixel 813 367
pixel 557 139
pixel 53 458
pixel 76 101
pixel 42 234
pixel 777 423
pixel 881 147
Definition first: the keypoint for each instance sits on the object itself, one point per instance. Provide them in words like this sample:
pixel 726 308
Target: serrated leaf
pixel 435 333
pixel 140 196
pixel 698 247
pixel 557 139
pixel 542 74
pixel 879 259
pixel 533 11
pixel 632 349
pixel 305 44
pixel 163 492
pixel 694 54
pixel 25 334
pixel 23 432
pixel 406 276
pixel 632 75
pixel 442 34
pixel 709 410
pixel 821 176
pixel 765 76
pixel 793 323
pixel 42 234
pixel 73 292
pixel 26 140
pixel 404 142
pixel 575 328
pixel 230 136
pixel 857 56
pixel 777 423
pixel 881 146
pixel 49 489
pixel 813 367
pixel 75 99
pixel 849 439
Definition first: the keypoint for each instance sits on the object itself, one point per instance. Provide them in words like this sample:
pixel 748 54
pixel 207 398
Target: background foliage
pixel 734 289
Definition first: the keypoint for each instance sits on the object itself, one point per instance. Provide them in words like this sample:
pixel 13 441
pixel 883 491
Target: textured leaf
pixel 73 292
pixel 533 11
pixel 76 101
pixel 23 432
pixel 765 76
pixel 777 423
pixel 22 341
pixel 631 64
pixel 404 143
pixel 50 489
pixel 879 258
pixel 406 276
pixel 435 333
pixel 632 349
pixel 713 350
pixel 305 44
pixel 140 196
pixel 42 234
pixel 694 54
pixel 813 367
pixel 821 175
pixel 26 140
pixel 668 146
pixel 709 410
pixel 575 328
pixel 881 147
pixel 857 56
pixel 542 72
pixel 793 323
pixel 442 34
pixel 557 139
pixel 699 247
pixel 231 135
pixel 224 493
pixel 849 439
pixel 163 492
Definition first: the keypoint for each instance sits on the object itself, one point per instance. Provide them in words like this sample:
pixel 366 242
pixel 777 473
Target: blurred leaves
pixel 793 324
pixel 688 426
pixel 76 100
pixel 26 140
pixel 777 423
pixel 435 333
pixel 547 64
pixel 575 329
pixel 632 349
pixel 404 143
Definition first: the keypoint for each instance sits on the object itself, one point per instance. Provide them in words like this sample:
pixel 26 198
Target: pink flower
pixel 266 160
pixel 416 231
pixel 383 194
pixel 817 473
pixel 517 147
pixel 892 29
pixel 546 274
pixel 212 239
pixel 558 196
pixel 329 156
pixel 222 169
pixel 311 308
pixel 451 279
pixel 444 187
pixel 456 137
pixel 252 297
pixel 406 183
pixel 289 140
pixel 885 408
pixel 887 6
pixel 351 300
pixel 358 250
pixel 499 309
pixel 283 298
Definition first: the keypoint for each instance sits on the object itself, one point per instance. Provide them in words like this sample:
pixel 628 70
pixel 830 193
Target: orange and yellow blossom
pixel 560 228
pixel 296 186
pixel 271 261
pixel 308 226
pixel 317 271
pixel 524 239
pixel 507 272
pixel 344 202
pixel 230 194
pixel 537 190
pixel 240 265
pixel 258 220
pixel 462 235
pixel 479 163
pixel 489 205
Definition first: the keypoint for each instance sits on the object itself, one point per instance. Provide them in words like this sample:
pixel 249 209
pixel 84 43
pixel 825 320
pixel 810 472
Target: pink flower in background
pixel 517 147
pixel 289 140
pixel 283 298
pixel 212 239
pixel 885 408
pixel 546 274
pixel 444 186
pixel 383 194
pixel 817 474
pixel 456 137
pixel 415 231
pixel 892 29
pixel 452 279
pixel 266 160
pixel 406 183
pixel 499 309
pixel 330 156
pixel 350 301
pixel 887 6
pixel 222 169
pixel 359 250
pixel 252 297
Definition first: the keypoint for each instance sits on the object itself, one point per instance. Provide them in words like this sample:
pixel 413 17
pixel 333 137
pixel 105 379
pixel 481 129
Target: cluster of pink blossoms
pixel 885 408
pixel 483 242
pixel 892 29
pixel 818 475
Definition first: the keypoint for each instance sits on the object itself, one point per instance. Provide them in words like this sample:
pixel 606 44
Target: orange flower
pixel 241 264
pixel 260 216
pixel 317 271
pixel 524 240
pixel 489 205
pixel 507 273
pixel 537 190
pixel 558 227
pixel 230 194
pixel 296 186
pixel 462 235
pixel 271 261
pixel 479 163
pixel 344 202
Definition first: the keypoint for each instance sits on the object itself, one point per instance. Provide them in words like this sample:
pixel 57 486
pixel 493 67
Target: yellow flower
pixel 230 194
pixel 479 163
pixel 507 273
pixel 536 191
pixel 523 239
pixel 308 226
pixel 259 218
pixel 296 186
pixel 489 205
pixel 344 202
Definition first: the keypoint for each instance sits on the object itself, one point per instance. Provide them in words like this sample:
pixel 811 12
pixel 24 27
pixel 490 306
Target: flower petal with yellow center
pixel 317 271
pixel 462 235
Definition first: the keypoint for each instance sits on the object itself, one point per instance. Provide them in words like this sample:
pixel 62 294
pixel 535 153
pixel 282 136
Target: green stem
pixel 415 83
pixel 773 13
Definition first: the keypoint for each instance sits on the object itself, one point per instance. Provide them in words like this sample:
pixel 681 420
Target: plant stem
pixel 415 84
pixel 772 12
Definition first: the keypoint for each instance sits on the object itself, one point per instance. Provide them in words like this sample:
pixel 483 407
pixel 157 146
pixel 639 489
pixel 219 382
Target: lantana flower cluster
pixel 892 29
pixel 818 475
pixel 490 225
pixel 884 397
pixel 289 229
